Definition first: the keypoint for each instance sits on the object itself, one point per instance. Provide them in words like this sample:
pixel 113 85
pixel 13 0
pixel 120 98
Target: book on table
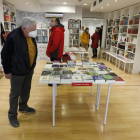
pixel 66 77
pixel 87 78
pixel 47 69
pixel 57 69
pixel 98 79
pixel 76 73
pixel 44 79
pixel 55 78
pixel 48 66
pixel 55 65
pixel 112 74
pixel 118 79
pixel 71 63
pixel 56 72
pixel 109 78
pixel 102 66
pixel 78 62
pixel 87 66
pixel 49 62
pixel 100 63
pixel 45 73
pixel 93 73
pixel 72 69
pixel 84 72
pixel 56 61
pixel 76 79
pixel 102 72
pixel 85 62
pixel 63 65
pixel 90 69
pixel 67 72
pixel 93 63
pixel 83 69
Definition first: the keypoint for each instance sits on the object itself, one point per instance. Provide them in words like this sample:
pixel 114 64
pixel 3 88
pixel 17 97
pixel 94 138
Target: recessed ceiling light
pixel 85 4
pixel 107 4
pixel 26 3
pixel 95 19
pixel 64 3
pixel 34 9
pixel 115 0
pixel 30 6
pixel 101 7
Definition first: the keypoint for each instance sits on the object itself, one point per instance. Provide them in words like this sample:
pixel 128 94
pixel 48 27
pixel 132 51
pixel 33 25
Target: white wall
pixel 92 24
pixel 76 15
pixel 87 14
pixel 1 12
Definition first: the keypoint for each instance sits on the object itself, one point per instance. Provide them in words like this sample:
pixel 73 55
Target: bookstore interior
pixel 66 94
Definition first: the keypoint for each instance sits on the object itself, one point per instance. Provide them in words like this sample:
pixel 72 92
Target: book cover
pixel 45 78
pixel 112 74
pixel 87 78
pixel 56 73
pixel 46 73
pixel 108 78
pixel 66 76
pixel 55 78
pixel 118 79
pixel 98 79
pixel 67 72
pixel 102 66
pixel 93 73
pixel 85 73
pixel 82 69
pixel 76 79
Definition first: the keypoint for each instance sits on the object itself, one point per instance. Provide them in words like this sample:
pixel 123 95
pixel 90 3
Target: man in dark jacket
pixel 19 59
pixel 56 42
pixel 100 32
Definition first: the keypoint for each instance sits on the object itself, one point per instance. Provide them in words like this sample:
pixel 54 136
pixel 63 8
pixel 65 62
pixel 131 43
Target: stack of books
pixel 87 78
pixel 76 73
pixel 78 62
pixel 76 79
pixel 109 79
pixel 66 78
pixel 98 79
pixel 63 65
pixel 86 62
pixel 71 63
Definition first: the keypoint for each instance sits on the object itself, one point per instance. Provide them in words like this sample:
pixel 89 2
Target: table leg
pixel 116 63
pixel 109 87
pixel 99 97
pixel 56 91
pixel 109 58
pixel 53 105
pixel 92 90
pixel 119 64
pixel 106 57
pixel 124 66
pixel 129 68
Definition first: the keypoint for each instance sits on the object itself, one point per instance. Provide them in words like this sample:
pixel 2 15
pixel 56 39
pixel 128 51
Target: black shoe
pixel 29 110
pixel 14 122
pixel 50 85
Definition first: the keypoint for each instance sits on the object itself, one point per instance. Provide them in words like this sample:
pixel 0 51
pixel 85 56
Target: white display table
pixel 82 84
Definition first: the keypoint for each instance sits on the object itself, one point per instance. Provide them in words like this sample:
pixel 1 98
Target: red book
pixel 133 31
pixel 118 79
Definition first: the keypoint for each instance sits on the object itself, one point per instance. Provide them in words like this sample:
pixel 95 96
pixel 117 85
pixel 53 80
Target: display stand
pixel 9 12
pixel 122 39
pixel 74 32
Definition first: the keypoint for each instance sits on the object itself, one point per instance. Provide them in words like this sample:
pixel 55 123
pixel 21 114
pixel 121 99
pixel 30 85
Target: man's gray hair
pixel 27 21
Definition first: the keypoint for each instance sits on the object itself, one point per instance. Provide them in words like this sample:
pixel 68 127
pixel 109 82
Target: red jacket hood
pixel 58 26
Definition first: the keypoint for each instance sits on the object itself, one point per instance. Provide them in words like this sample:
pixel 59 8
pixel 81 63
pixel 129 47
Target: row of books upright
pixel 134 21
pixel 123 30
pixel 133 31
pixel 124 22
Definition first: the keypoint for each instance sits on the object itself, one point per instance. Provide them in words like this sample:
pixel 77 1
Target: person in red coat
pixel 95 40
pixel 56 42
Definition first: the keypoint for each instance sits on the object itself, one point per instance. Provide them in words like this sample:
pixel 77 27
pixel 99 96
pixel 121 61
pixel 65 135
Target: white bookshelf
pixel 42 36
pixel 10 21
pixel 74 32
pixel 129 13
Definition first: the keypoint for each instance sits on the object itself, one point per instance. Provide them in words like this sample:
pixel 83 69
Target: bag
pixel 66 58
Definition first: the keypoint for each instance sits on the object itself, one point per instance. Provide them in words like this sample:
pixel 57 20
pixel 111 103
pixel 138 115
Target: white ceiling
pixel 36 4
pixel 114 5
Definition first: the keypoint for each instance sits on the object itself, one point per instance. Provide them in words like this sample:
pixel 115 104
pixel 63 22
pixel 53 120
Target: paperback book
pixel 87 78
pixel 98 79
pixel 44 79
pixel 76 79
pixel 45 73
pixel 109 78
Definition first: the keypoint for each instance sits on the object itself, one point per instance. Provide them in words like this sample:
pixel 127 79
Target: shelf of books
pixel 74 26
pixel 9 13
pixel 123 33
pixel 42 35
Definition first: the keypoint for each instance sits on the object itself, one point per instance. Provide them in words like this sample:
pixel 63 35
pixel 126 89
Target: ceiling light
pixel 85 4
pixel 64 3
pixel 30 6
pixel 95 19
pixel 34 9
pixel 101 7
pixel 115 0
pixel 26 3
pixel 107 4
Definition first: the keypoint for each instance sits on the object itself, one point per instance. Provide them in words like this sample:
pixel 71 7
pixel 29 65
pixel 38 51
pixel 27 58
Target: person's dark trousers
pixel 19 94
pixel 94 50
pixel 52 59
